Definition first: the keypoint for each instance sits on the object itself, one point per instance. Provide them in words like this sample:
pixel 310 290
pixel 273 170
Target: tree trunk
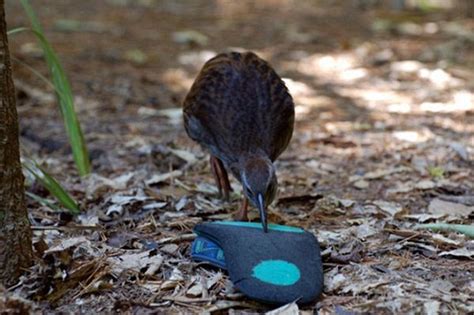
pixel 15 233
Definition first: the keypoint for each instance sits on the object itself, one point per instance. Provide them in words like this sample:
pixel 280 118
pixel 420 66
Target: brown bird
pixel 240 110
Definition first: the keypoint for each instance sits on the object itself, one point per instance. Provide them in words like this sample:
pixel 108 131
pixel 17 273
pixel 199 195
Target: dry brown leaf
pixel 185 155
pixel 174 279
pixel 158 178
pixel 361 184
pixel 391 208
pixel 146 262
pixel 432 307
pixel 66 244
pixel 423 217
pixel 380 173
pixel 288 309
pixel 460 252
pixel 439 238
pixel 450 209
pixel 196 290
pixel 333 280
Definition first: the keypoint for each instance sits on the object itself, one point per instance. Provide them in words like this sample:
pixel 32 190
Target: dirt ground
pixel 384 140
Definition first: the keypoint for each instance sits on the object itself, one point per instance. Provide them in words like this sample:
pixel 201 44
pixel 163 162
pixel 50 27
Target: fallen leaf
pixel 152 286
pixel 385 172
pixel 334 280
pixel 361 184
pixel 174 115
pixel 425 184
pixel 88 219
pixel 327 238
pixel 195 291
pixel 215 278
pixel 190 37
pixel 451 209
pixel 184 155
pixel 421 185
pixel 158 178
pixel 206 188
pixel 96 184
pixel 181 204
pixel 460 252
pixel 461 150
pixel 428 248
pixel 439 238
pixel 299 198
pixel 174 279
pixel 118 201
pixel 170 249
pixel 380 173
pixel 66 244
pixel 138 262
pixel 219 306
pixel 442 285
pixel 346 203
pixel 365 230
pixel 432 307
pixel 155 205
pixel 358 287
pixel 465 200
pixel 123 200
pixel 423 217
pixel 391 208
pixel 75 278
pixel 288 309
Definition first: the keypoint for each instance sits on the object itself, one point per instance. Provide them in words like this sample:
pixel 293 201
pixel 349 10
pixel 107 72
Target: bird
pixel 240 111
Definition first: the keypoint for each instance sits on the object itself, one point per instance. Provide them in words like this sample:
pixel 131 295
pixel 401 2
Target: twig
pixel 97 274
pixel 178 239
pixel 67 228
pixel 225 305
pixel 183 299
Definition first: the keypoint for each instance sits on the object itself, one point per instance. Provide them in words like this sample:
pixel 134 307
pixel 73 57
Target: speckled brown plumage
pixel 240 110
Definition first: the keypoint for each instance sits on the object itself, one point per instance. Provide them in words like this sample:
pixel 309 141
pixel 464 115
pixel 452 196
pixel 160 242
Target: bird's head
pixel 259 184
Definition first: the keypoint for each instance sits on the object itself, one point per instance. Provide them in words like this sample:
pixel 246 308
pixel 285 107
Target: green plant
pixel 52 186
pixel 45 202
pixel 63 92
pixel 436 171
pixel 461 228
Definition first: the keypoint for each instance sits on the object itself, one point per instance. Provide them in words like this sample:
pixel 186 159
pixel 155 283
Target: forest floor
pixel 384 140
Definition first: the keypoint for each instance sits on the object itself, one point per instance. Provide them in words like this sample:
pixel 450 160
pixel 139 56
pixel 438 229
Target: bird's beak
pixel 263 213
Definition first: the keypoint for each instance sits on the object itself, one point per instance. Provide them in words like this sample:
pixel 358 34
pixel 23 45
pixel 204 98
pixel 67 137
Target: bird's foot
pixel 241 214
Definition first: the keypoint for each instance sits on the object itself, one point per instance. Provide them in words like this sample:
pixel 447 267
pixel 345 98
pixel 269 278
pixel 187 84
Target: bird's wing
pixel 239 104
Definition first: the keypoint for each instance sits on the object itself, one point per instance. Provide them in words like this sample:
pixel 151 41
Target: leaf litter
pixel 383 142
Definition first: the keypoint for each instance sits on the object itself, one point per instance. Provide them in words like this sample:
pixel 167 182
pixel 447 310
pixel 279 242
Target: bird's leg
pixel 241 215
pixel 225 180
pixel 221 177
pixel 214 166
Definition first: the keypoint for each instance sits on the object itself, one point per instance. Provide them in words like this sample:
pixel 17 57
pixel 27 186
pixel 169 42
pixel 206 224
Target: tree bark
pixel 15 233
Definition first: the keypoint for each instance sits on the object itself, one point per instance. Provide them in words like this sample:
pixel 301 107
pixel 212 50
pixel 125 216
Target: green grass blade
pixel 35 72
pixel 460 228
pixel 27 66
pixel 52 186
pixel 64 94
pixel 18 30
pixel 45 202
